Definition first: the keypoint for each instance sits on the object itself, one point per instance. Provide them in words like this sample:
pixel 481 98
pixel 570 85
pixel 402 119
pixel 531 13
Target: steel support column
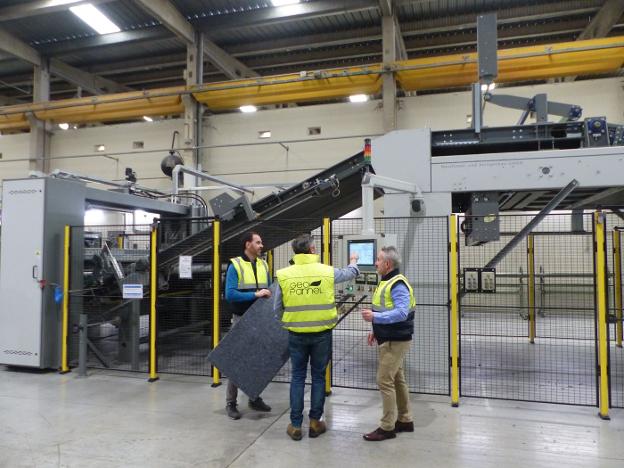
pixel 389 45
pixel 39 144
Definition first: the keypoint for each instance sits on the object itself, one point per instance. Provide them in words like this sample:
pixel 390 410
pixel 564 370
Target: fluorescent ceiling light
pixel 358 98
pixel 64 126
pixel 147 118
pixel 95 18
pixel 248 109
pixel 264 134
pixel 278 3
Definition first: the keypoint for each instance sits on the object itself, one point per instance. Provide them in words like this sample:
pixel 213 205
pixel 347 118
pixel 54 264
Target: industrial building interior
pixel 140 139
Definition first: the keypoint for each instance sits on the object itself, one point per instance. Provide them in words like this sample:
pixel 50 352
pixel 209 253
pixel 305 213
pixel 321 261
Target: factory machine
pixel 37 209
pixel 573 164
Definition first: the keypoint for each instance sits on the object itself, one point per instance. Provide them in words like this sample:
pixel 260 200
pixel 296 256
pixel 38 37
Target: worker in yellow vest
pixel 306 296
pixel 392 317
pixel 247 279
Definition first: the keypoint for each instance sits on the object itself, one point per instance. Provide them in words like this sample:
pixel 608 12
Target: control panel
pixel 367 247
pixel 479 280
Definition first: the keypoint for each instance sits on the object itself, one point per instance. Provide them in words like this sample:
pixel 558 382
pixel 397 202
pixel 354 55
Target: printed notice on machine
pixel 186 266
pixel 133 291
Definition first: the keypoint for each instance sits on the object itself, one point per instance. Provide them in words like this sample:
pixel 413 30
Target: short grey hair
pixel 391 254
pixel 302 244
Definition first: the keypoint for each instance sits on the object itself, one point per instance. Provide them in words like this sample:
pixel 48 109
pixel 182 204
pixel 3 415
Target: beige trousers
pixel 391 381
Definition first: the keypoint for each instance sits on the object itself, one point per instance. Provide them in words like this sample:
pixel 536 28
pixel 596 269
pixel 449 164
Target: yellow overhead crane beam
pixel 589 57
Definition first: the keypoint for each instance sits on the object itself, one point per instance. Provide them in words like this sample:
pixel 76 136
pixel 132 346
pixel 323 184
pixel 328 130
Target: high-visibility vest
pixel 382 297
pixel 308 295
pixel 246 277
pixel 382 301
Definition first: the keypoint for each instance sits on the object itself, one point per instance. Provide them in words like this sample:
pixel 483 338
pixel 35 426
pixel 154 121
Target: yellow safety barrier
pixel 601 299
pixel 327 261
pixel 216 295
pixel 531 285
pixel 454 280
pixel 65 323
pixel 153 364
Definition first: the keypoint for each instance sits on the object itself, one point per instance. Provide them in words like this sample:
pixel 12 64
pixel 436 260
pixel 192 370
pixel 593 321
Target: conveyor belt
pixel 333 192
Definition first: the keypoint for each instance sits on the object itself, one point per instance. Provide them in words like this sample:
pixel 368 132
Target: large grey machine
pixel 34 213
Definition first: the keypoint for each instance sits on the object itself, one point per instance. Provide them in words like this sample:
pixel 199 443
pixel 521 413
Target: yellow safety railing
pixel 327 261
pixel 531 285
pixel 454 280
pixel 65 323
pixel 617 274
pixel 153 363
pixel 216 295
pixel 601 304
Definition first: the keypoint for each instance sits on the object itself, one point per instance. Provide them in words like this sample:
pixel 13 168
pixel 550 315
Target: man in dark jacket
pixel 392 317
pixel 246 280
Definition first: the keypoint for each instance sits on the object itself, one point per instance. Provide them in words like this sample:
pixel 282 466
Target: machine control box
pixel 479 280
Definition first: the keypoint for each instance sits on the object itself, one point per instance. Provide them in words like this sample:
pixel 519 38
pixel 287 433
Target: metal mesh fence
pixel 185 296
pixel 104 259
pixel 423 245
pixel 615 260
pixel 500 356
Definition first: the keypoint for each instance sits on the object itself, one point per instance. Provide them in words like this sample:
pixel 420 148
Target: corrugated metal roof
pixel 429 27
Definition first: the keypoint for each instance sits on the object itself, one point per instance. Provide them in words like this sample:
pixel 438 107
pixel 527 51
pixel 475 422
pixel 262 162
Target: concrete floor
pixel 118 419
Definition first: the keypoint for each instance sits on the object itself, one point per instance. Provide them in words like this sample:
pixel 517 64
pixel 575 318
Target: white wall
pixel 258 162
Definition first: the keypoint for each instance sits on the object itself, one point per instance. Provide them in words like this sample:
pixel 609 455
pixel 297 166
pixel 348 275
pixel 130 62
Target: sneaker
pixel 294 432
pixel 400 426
pixel 379 434
pixel 232 411
pixel 259 405
pixel 317 428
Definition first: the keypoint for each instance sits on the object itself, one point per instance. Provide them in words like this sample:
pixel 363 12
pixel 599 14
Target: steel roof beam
pixel 284 14
pixel 41 7
pixel 170 17
pixel 88 81
pixel 93 83
pixel 602 23
pixel 605 19
pixel 173 20
pixel 231 67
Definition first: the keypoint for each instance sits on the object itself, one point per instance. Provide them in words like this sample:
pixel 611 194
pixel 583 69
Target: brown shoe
pixel 379 434
pixel 294 432
pixel 403 426
pixel 317 428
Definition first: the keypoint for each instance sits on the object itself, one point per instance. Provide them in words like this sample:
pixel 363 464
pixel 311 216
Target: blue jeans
pixel 315 347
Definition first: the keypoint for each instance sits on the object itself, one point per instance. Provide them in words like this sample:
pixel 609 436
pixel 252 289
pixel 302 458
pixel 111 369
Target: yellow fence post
pixel 327 261
pixel 601 299
pixel 216 295
pixel 454 280
pixel 65 322
pixel 153 363
pixel 531 285
pixel 617 274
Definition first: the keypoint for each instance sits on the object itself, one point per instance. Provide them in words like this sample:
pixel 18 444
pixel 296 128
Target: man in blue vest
pixel 246 280
pixel 392 317
pixel 306 296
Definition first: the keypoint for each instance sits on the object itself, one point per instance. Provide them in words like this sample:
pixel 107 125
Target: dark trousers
pixel 315 348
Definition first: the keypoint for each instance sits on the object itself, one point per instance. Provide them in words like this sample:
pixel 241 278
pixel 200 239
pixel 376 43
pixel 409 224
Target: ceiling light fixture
pixel 95 18
pixel 279 3
pixel 358 98
pixel 248 109
pixel 64 126
pixel 147 118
